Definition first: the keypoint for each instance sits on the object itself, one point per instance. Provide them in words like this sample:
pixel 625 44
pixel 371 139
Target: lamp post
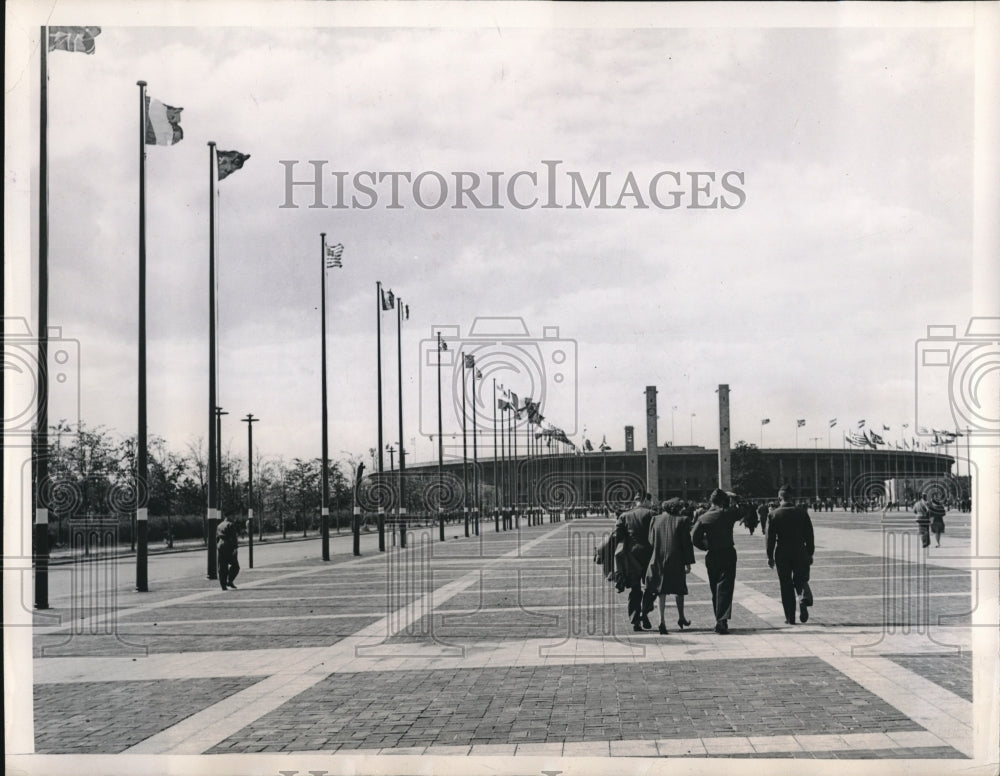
pixel 219 412
pixel 692 428
pixel 250 420
pixel 465 453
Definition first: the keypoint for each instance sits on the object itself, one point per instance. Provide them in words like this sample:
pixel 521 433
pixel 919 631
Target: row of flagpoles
pixel 159 125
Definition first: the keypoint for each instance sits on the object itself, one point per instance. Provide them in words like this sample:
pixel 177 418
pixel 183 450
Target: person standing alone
pixel 227 540
pixel 790 547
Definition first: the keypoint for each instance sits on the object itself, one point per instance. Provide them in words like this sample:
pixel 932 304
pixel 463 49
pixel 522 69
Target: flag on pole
pixel 73 39
pixel 885 427
pixel 163 124
pixel 876 438
pixel 230 162
pixel 514 402
pixel 388 301
pixel 470 361
pixel 833 422
pixel 800 423
pixel 587 446
pixel 861 424
pixel 765 421
pixel 406 312
pixel 333 256
pixel 604 444
pixel 443 345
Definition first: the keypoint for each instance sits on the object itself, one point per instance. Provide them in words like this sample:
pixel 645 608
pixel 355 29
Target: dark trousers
pixel 229 566
pixel 721 567
pixel 793 578
pixel 635 600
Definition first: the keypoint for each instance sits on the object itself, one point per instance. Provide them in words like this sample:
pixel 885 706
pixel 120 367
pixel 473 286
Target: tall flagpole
pixel 142 464
pixel 401 503
pixel 440 445
pixel 496 479
pixel 41 526
pixel 213 495
pixel 515 479
pixel 465 454
pixel 324 478
pixel 378 351
pixel 475 453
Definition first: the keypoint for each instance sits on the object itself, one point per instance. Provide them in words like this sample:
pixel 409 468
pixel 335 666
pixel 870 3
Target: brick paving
pixel 951 671
pixel 111 716
pixel 511 644
pixel 571 703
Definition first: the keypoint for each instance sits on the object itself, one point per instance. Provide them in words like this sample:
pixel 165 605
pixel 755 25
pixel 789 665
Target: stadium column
pixel 652 449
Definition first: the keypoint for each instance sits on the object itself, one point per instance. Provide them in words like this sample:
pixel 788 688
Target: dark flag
pixel 230 162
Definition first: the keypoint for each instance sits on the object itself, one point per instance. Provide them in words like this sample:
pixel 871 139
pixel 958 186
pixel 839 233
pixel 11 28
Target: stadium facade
pixel 691 472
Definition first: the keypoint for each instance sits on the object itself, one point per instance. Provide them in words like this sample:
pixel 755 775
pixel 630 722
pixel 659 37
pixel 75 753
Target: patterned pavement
pixel 510 644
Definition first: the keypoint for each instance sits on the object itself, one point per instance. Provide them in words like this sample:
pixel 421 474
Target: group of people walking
pixel 654 551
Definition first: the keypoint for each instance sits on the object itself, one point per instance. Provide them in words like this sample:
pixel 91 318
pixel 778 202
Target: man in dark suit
pixel 713 532
pixel 790 547
pixel 632 530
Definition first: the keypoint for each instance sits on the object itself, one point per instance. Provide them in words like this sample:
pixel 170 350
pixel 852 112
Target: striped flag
pixel 861 424
pixel 765 421
pixel 163 124
pixel 334 253
pixel 800 423
pixel 73 39
pixel 230 162
pixel 388 300
pixel 833 422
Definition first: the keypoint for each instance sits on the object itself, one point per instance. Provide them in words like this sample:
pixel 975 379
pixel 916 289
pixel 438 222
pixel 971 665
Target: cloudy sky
pixel 851 149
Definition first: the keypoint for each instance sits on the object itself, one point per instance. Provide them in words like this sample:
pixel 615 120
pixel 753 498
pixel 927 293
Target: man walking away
pixel 632 531
pixel 713 532
pixel 790 546
pixel 227 533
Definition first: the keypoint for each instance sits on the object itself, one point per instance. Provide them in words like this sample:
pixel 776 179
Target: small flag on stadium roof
pixel 230 162
pixel 861 424
pixel 73 39
pixel 406 312
pixel 833 422
pixel 388 300
pixel 163 123
pixel 800 423
pixel 765 421
pixel 334 253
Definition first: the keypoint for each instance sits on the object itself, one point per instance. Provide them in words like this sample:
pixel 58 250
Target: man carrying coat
pixel 632 532
pixel 790 547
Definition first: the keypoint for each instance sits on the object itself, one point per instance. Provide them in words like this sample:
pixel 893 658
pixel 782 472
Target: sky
pixel 846 230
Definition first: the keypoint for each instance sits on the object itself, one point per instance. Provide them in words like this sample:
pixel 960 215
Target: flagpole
pixel 142 463
pixel 400 504
pixel 212 444
pixel 324 478
pixel 496 479
pixel 440 447
pixel 378 349
pixel 475 454
pixel 515 478
pixel 465 456
pixel 41 463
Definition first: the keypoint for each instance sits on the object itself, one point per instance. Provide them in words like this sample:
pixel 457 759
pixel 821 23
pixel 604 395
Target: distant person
pixel 632 531
pixel 790 547
pixel 762 512
pixel 930 513
pixel 227 541
pixel 671 560
pixel 713 532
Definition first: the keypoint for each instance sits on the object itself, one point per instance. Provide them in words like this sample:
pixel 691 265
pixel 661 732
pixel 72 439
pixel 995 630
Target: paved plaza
pixel 511 644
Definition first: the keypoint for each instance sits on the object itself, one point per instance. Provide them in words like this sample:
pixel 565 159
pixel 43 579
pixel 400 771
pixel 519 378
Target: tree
pixel 751 477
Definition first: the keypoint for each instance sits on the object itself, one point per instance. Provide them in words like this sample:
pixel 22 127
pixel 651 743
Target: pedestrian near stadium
pixel 671 560
pixel 790 547
pixel 227 541
pixel 713 532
